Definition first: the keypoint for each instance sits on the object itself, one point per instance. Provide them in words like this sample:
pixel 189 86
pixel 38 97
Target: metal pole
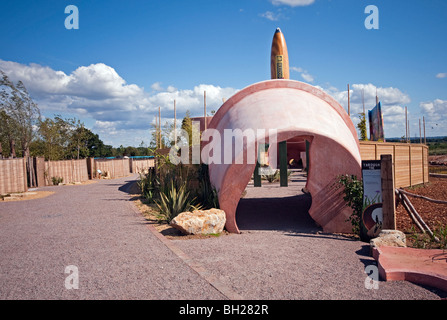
pixel 159 126
pixel 204 106
pixel 349 102
pixel 175 125
pixel 406 126
pixel 425 140
pixel 420 133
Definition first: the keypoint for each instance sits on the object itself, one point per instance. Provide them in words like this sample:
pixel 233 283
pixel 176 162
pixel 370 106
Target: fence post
pixel 283 176
pixel 25 180
pixel 388 196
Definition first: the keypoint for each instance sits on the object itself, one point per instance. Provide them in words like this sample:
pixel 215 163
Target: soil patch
pixel 434 215
pixel 26 195
pixel 438 160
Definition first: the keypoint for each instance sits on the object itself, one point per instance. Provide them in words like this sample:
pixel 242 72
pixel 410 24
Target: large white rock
pixel 390 238
pixel 200 221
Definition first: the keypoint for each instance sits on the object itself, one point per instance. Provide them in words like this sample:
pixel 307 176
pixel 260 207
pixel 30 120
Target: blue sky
pixel 129 57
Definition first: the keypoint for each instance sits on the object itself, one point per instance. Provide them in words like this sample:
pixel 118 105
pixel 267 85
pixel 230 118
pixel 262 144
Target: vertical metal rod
pixel 349 102
pixel 425 140
pixel 363 102
pixel 406 126
pixel 175 124
pixel 420 132
pixel 159 126
pixel 204 107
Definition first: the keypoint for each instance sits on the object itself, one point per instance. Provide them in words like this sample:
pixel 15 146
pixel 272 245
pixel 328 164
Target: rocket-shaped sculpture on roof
pixel 279 57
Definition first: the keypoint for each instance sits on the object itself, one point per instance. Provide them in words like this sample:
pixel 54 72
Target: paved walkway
pixel 94 228
pixel 282 253
pixel 279 255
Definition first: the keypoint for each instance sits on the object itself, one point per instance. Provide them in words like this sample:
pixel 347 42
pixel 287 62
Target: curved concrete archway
pixel 293 109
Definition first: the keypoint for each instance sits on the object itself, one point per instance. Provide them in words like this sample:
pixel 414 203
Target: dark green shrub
pixel 353 195
pixel 174 201
pixel 57 180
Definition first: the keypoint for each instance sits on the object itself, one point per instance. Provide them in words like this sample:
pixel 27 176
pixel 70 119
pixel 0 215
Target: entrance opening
pixel 275 207
pixel 272 207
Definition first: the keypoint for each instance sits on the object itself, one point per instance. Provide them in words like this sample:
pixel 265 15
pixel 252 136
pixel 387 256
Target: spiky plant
pixel 174 201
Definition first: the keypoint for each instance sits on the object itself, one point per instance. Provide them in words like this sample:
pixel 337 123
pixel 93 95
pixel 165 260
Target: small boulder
pixel 200 222
pixel 389 238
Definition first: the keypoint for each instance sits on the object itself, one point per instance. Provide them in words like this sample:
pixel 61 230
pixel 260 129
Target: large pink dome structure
pixel 295 110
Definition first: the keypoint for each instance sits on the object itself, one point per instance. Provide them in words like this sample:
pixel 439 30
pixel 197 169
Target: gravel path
pixel 282 254
pixel 94 228
pixel 279 255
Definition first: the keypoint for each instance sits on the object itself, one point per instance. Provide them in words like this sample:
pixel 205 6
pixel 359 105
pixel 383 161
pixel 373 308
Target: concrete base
pixel 421 266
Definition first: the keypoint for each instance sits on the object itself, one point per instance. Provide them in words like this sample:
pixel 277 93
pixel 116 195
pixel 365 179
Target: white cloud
pixel 435 113
pixel 307 77
pixel 435 110
pixel 171 89
pixel 389 97
pixel 97 81
pixel 441 75
pixel 293 3
pixel 270 16
pixel 392 99
pixel 157 86
pixel 97 92
pixel 304 74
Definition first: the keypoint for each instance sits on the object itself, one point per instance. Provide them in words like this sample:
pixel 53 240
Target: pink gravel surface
pixel 281 253
pixel 94 228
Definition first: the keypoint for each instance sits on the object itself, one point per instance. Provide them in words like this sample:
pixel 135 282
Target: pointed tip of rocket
pixel 278 30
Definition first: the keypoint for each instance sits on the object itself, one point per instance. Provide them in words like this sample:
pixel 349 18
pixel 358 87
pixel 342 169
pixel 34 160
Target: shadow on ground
pixel 289 214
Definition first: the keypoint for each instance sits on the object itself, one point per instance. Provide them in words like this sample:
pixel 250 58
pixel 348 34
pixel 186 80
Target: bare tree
pixel 19 115
pixel 19 110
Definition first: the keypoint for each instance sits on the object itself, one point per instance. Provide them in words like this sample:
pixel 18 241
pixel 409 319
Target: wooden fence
pixel 410 166
pixel 69 170
pixel 13 176
pixel 141 165
pixel 410 161
pixel 112 168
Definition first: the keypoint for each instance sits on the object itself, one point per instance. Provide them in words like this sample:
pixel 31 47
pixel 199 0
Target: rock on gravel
pixel 390 238
pixel 200 222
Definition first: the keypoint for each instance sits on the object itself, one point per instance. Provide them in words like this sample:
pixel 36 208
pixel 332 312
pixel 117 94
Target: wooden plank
pixel 402 166
pixel 24 177
pixel 409 163
pixel 417 164
pixel 367 151
pixel 388 196
pixel 384 149
pixel 426 172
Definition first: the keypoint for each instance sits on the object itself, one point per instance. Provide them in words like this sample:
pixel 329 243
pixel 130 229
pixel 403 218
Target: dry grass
pixel 150 213
pixel 26 196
